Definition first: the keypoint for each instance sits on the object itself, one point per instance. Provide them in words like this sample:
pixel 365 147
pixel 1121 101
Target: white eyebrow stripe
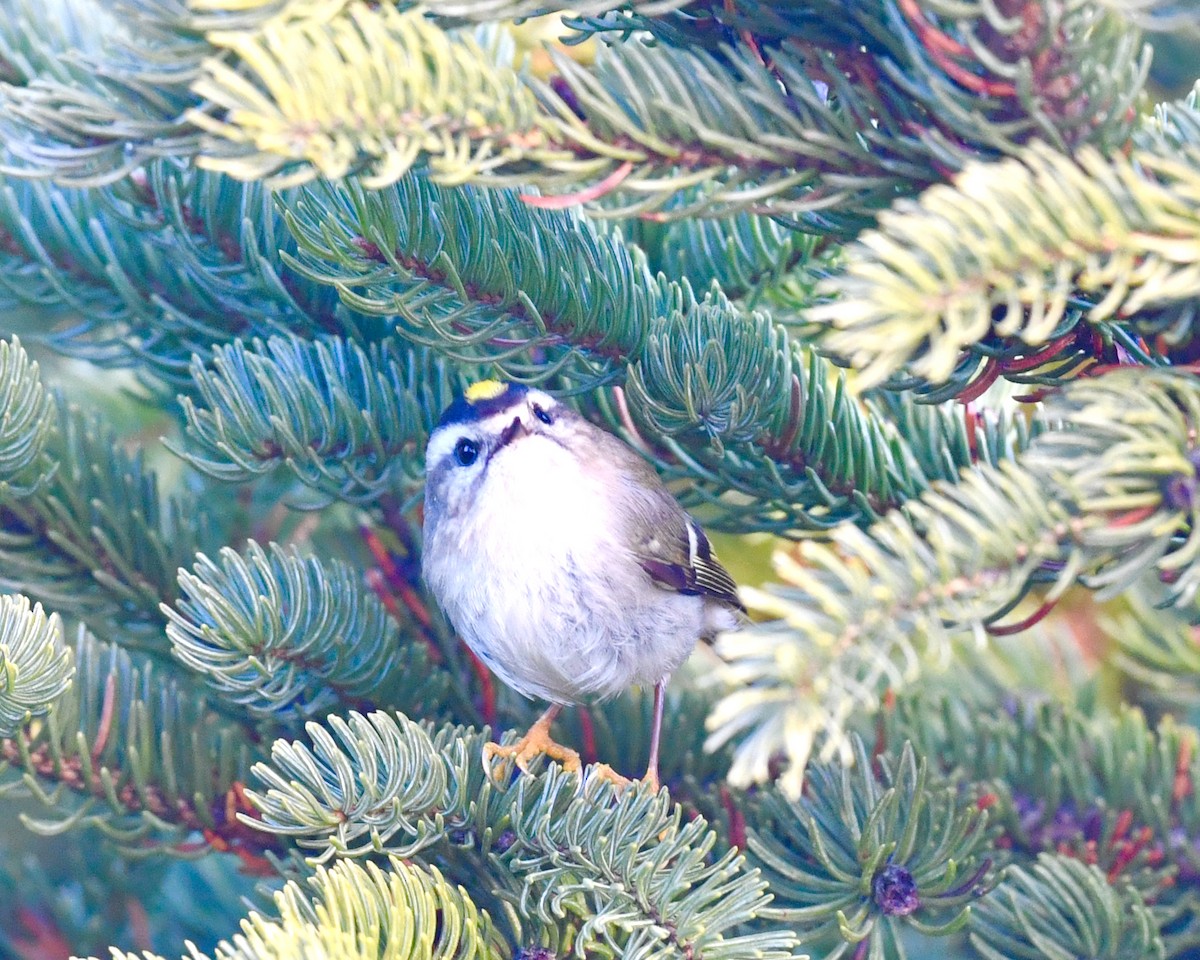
pixel 441 443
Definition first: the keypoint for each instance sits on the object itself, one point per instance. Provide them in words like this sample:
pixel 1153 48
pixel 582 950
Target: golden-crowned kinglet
pixel 561 559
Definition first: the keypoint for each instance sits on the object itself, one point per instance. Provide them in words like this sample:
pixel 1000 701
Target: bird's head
pixel 490 420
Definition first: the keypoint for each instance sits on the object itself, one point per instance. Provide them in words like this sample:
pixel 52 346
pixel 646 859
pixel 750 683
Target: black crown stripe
pixel 463 410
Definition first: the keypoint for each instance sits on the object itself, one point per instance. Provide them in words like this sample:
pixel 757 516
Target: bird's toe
pixel 602 771
pixel 536 743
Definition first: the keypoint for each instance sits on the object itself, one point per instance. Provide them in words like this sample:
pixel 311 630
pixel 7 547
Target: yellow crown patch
pixel 484 390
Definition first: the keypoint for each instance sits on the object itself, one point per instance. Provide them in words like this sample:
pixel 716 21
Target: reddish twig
pixel 747 37
pixel 106 716
pixel 942 49
pixel 388 583
pixel 416 606
pixel 977 388
pixel 1127 851
pixel 1130 517
pixel 1032 620
pixel 381 555
pixel 886 707
pixel 1121 826
pixel 238 837
pixel 737 820
pixel 594 192
pixel 971 424
pixel 795 411
pixel 39 937
pixel 1021 364
pixel 1182 786
pixel 139 923
pixel 587 733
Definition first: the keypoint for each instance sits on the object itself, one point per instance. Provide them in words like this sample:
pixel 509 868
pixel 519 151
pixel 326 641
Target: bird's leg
pixel 651 777
pixel 537 742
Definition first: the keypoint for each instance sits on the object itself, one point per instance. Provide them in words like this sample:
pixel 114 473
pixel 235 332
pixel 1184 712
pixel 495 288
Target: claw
pixel 602 771
pixel 536 743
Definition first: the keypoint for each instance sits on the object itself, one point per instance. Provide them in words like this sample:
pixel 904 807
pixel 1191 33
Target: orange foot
pixel 536 743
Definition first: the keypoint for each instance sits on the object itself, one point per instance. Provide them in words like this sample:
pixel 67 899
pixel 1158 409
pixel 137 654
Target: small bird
pixel 562 560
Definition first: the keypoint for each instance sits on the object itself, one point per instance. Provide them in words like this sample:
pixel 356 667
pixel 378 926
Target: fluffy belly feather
pixel 549 598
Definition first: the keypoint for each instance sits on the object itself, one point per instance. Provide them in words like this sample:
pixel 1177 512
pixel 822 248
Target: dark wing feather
pixel 682 559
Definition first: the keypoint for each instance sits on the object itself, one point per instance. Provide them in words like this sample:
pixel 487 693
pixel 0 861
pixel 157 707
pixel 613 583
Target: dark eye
pixel 466 451
pixel 542 415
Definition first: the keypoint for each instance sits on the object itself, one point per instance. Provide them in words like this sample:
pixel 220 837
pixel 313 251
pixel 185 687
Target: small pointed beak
pixel 511 432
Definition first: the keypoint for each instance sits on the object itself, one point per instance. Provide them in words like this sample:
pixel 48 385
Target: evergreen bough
pixel 908 286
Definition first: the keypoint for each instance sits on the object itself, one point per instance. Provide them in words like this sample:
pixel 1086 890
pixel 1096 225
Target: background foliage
pixel 898 296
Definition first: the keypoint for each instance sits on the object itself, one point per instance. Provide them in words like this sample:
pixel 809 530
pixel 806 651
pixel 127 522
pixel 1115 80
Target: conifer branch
pixel 94 540
pixel 26 425
pixel 847 620
pixel 979 46
pixel 647 881
pixel 38 36
pixel 35 667
pixel 316 334
pixel 1132 464
pixel 401 912
pixel 437 98
pixel 1063 907
pixel 1109 788
pixel 1109 497
pixel 1155 643
pixel 904 852
pixel 749 256
pixel 93 105
pixel 521 280
pixel 1172 126
pixel 312 794
pixel 486 11
pixel 1160 16
pixel 172 263
pixel 347 422
pixel 828 124
pixel 794 135
pixel 733 403
pixel 369 87
pixel 134 753
pixel 1043 229
pixel 650 883
pixel 287 638
pixel 97 542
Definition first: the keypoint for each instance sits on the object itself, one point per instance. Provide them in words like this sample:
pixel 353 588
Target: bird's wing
pixel 667 542
pixel 678 556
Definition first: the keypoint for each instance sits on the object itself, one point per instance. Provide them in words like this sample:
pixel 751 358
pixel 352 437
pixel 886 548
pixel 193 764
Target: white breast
pixel 545 594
